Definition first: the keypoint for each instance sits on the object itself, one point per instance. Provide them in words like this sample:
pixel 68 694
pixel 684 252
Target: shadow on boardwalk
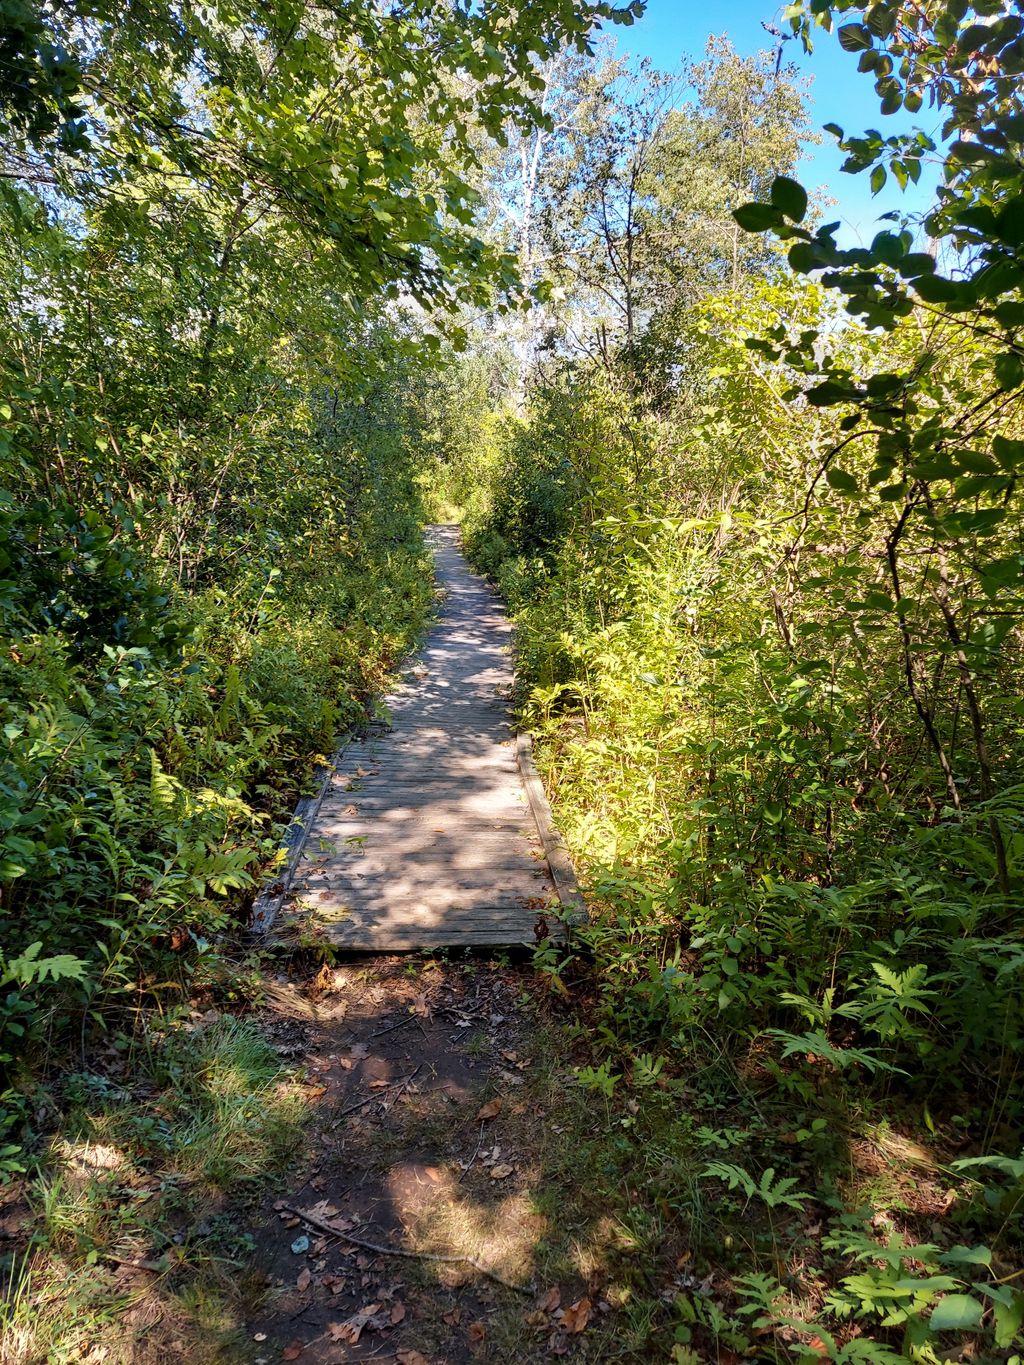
pixel 425 837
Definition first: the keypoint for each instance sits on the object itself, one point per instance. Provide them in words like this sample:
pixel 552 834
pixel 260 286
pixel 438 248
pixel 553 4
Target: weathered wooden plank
pixel 426 835
pixel 557 855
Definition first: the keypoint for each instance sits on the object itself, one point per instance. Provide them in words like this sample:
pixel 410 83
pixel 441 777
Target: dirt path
pixel 437 1119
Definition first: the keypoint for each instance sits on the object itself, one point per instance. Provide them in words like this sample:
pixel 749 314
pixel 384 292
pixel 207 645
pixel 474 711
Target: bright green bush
pixel 190 615
pixel 737 761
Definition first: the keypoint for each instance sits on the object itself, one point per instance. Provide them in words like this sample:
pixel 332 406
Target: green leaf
pixel 1010 454
pixel 976 462
pixel 888 247
pixel 789 196
pixel 1009 370
pixel 842 481
pixel 822 395
pixel 956 1313
pixel 964 1255
pixel 855 37
pixel 935 289
pixel 915 264
pixel 1010 222
pixel 758 217
pixel 807 256
pixel 1008 1318
pixel 163 789
pixel 892 96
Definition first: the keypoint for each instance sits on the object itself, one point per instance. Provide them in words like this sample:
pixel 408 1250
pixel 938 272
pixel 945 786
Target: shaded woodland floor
pixel 443 1121
pixel 441 1116
pixel 444 1113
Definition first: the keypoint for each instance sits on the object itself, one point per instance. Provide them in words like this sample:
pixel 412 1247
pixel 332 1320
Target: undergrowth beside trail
pixel 137 1245
pixel 801 984
pixel 167 780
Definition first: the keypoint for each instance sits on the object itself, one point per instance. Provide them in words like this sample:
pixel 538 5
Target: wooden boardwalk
pixel 425 837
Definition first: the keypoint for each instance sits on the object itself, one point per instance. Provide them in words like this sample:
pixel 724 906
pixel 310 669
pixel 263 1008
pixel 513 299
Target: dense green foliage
pixel 766 568
pixel 192 609
pixel 753 497
pixel 216 227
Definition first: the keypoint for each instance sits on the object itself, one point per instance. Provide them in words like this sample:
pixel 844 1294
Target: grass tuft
pixel 127 1202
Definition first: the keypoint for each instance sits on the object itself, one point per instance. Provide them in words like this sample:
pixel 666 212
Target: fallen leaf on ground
pixel 304 1280
pixel 397 1314
pixel 352 1329
pixel 576 1316
pixel 476 1331
pixel 408 1357
pixel 323 1209
pixel 549 1301
pixel 490 1110
pixel 293 1350
pixel 501 1172
pixel 453 1318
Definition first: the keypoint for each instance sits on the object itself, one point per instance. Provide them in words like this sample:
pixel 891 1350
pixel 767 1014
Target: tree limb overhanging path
pixel 429 834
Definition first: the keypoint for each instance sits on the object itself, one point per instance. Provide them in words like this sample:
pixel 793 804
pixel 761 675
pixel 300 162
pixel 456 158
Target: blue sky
pixel 671 29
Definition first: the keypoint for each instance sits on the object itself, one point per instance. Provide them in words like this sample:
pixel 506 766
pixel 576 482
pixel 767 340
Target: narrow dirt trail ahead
pixel 425 837
pixel 420 1225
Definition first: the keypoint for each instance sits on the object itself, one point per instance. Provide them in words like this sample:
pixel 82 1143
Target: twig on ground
pixel 476 1153
pixel 322 1225
pixel 361 1104
pixel 407 1019
pixel 154 1267
pixel 402 1088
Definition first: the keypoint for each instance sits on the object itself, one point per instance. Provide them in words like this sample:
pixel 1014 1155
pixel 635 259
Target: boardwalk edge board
pixel 277 886
pixel 563 874
pixel 274 892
